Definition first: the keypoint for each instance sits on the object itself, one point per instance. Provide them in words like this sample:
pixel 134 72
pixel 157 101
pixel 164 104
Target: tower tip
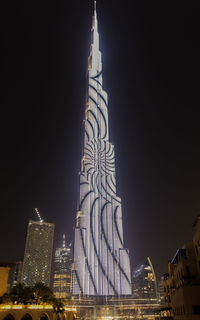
pixel 95 5
pixel 64 243
pixel 38 214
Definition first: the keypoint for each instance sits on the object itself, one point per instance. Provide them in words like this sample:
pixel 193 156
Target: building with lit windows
pixel 101 260
pixel 144 282
pixel 38 253
pixel 182 282
pixel 15 275
pixel 62 270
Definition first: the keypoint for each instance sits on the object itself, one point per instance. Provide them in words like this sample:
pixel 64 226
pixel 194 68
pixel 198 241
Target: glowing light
pixel 29 306
pixel 48 307
pixel 17 306
pixel 38 214
pixel 39 306
pixel 70 309
pixel 5 306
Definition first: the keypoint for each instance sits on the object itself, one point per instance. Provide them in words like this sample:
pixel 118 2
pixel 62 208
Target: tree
pixel 42 293
pixel 5 299
pixel 21 294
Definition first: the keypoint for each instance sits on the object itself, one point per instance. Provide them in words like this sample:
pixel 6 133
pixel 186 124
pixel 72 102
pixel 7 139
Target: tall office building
pixel 101 262
pixel 17 273
pixel 62 270
pixel 144 282
pixel 38 253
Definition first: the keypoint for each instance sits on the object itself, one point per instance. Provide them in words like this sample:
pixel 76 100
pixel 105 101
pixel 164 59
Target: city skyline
pixel 150 69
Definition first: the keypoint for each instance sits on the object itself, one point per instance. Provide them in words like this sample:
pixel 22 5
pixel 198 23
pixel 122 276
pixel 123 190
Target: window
pixel 187 270
pixel 196 309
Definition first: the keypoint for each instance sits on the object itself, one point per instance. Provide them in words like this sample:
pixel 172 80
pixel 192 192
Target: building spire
pixel 38 214
pixel 95 7
pixel 64 243
pixel 95 56
pixel 95 15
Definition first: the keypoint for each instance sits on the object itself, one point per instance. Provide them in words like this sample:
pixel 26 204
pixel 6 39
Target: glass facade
pixel 17 273
pixel 144 282
pixel 38 253
pixel 62 271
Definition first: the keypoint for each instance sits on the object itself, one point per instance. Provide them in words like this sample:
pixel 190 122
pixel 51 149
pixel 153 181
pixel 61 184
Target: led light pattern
pixel 101 263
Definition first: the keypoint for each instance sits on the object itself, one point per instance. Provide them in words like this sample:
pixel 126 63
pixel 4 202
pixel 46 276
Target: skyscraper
pixel 17 273
pixel 101 262
pixel 144 282
pixel 62 270
pixel 38 253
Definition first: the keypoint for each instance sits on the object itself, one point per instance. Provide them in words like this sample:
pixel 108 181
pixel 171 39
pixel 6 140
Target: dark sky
pixel 151 68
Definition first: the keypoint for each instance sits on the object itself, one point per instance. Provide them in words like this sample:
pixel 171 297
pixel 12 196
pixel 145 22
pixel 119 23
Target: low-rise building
pixel 4 272
pixel 182 282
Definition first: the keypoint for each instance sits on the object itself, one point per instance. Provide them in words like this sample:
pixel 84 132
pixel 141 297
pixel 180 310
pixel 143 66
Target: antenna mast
pixel 38 214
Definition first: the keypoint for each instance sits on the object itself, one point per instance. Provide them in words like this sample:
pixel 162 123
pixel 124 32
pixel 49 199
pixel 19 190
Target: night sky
pixel 151 68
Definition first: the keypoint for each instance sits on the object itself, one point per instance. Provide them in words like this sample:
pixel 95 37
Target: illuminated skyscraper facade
pixel 101 262
pixel 38 253
pixel 62 270
pixel 144 282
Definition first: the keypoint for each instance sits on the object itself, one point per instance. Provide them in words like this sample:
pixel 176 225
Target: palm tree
pixel 21 294
pixel 42 293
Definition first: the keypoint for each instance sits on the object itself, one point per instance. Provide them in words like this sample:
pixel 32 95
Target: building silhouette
pixel 182 282
pixel 101 261
pixel 15 275
pixel 62 270
pixel 144 282
pixel 4 273
pixel 38 253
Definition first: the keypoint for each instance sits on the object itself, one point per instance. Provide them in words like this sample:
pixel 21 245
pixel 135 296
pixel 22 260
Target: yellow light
pixel 5 306
pixel 34 306
pixel 20 306
pixel 17 306
pixel 48 307
pixel 69 309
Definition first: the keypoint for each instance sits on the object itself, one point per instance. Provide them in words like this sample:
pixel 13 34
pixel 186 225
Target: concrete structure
pixel 38 253
pixel 62 270
pixel 182 282
pixel 4 273
pixel 161 292
pixel 115 307
pixel 101 261
pixel 34 312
